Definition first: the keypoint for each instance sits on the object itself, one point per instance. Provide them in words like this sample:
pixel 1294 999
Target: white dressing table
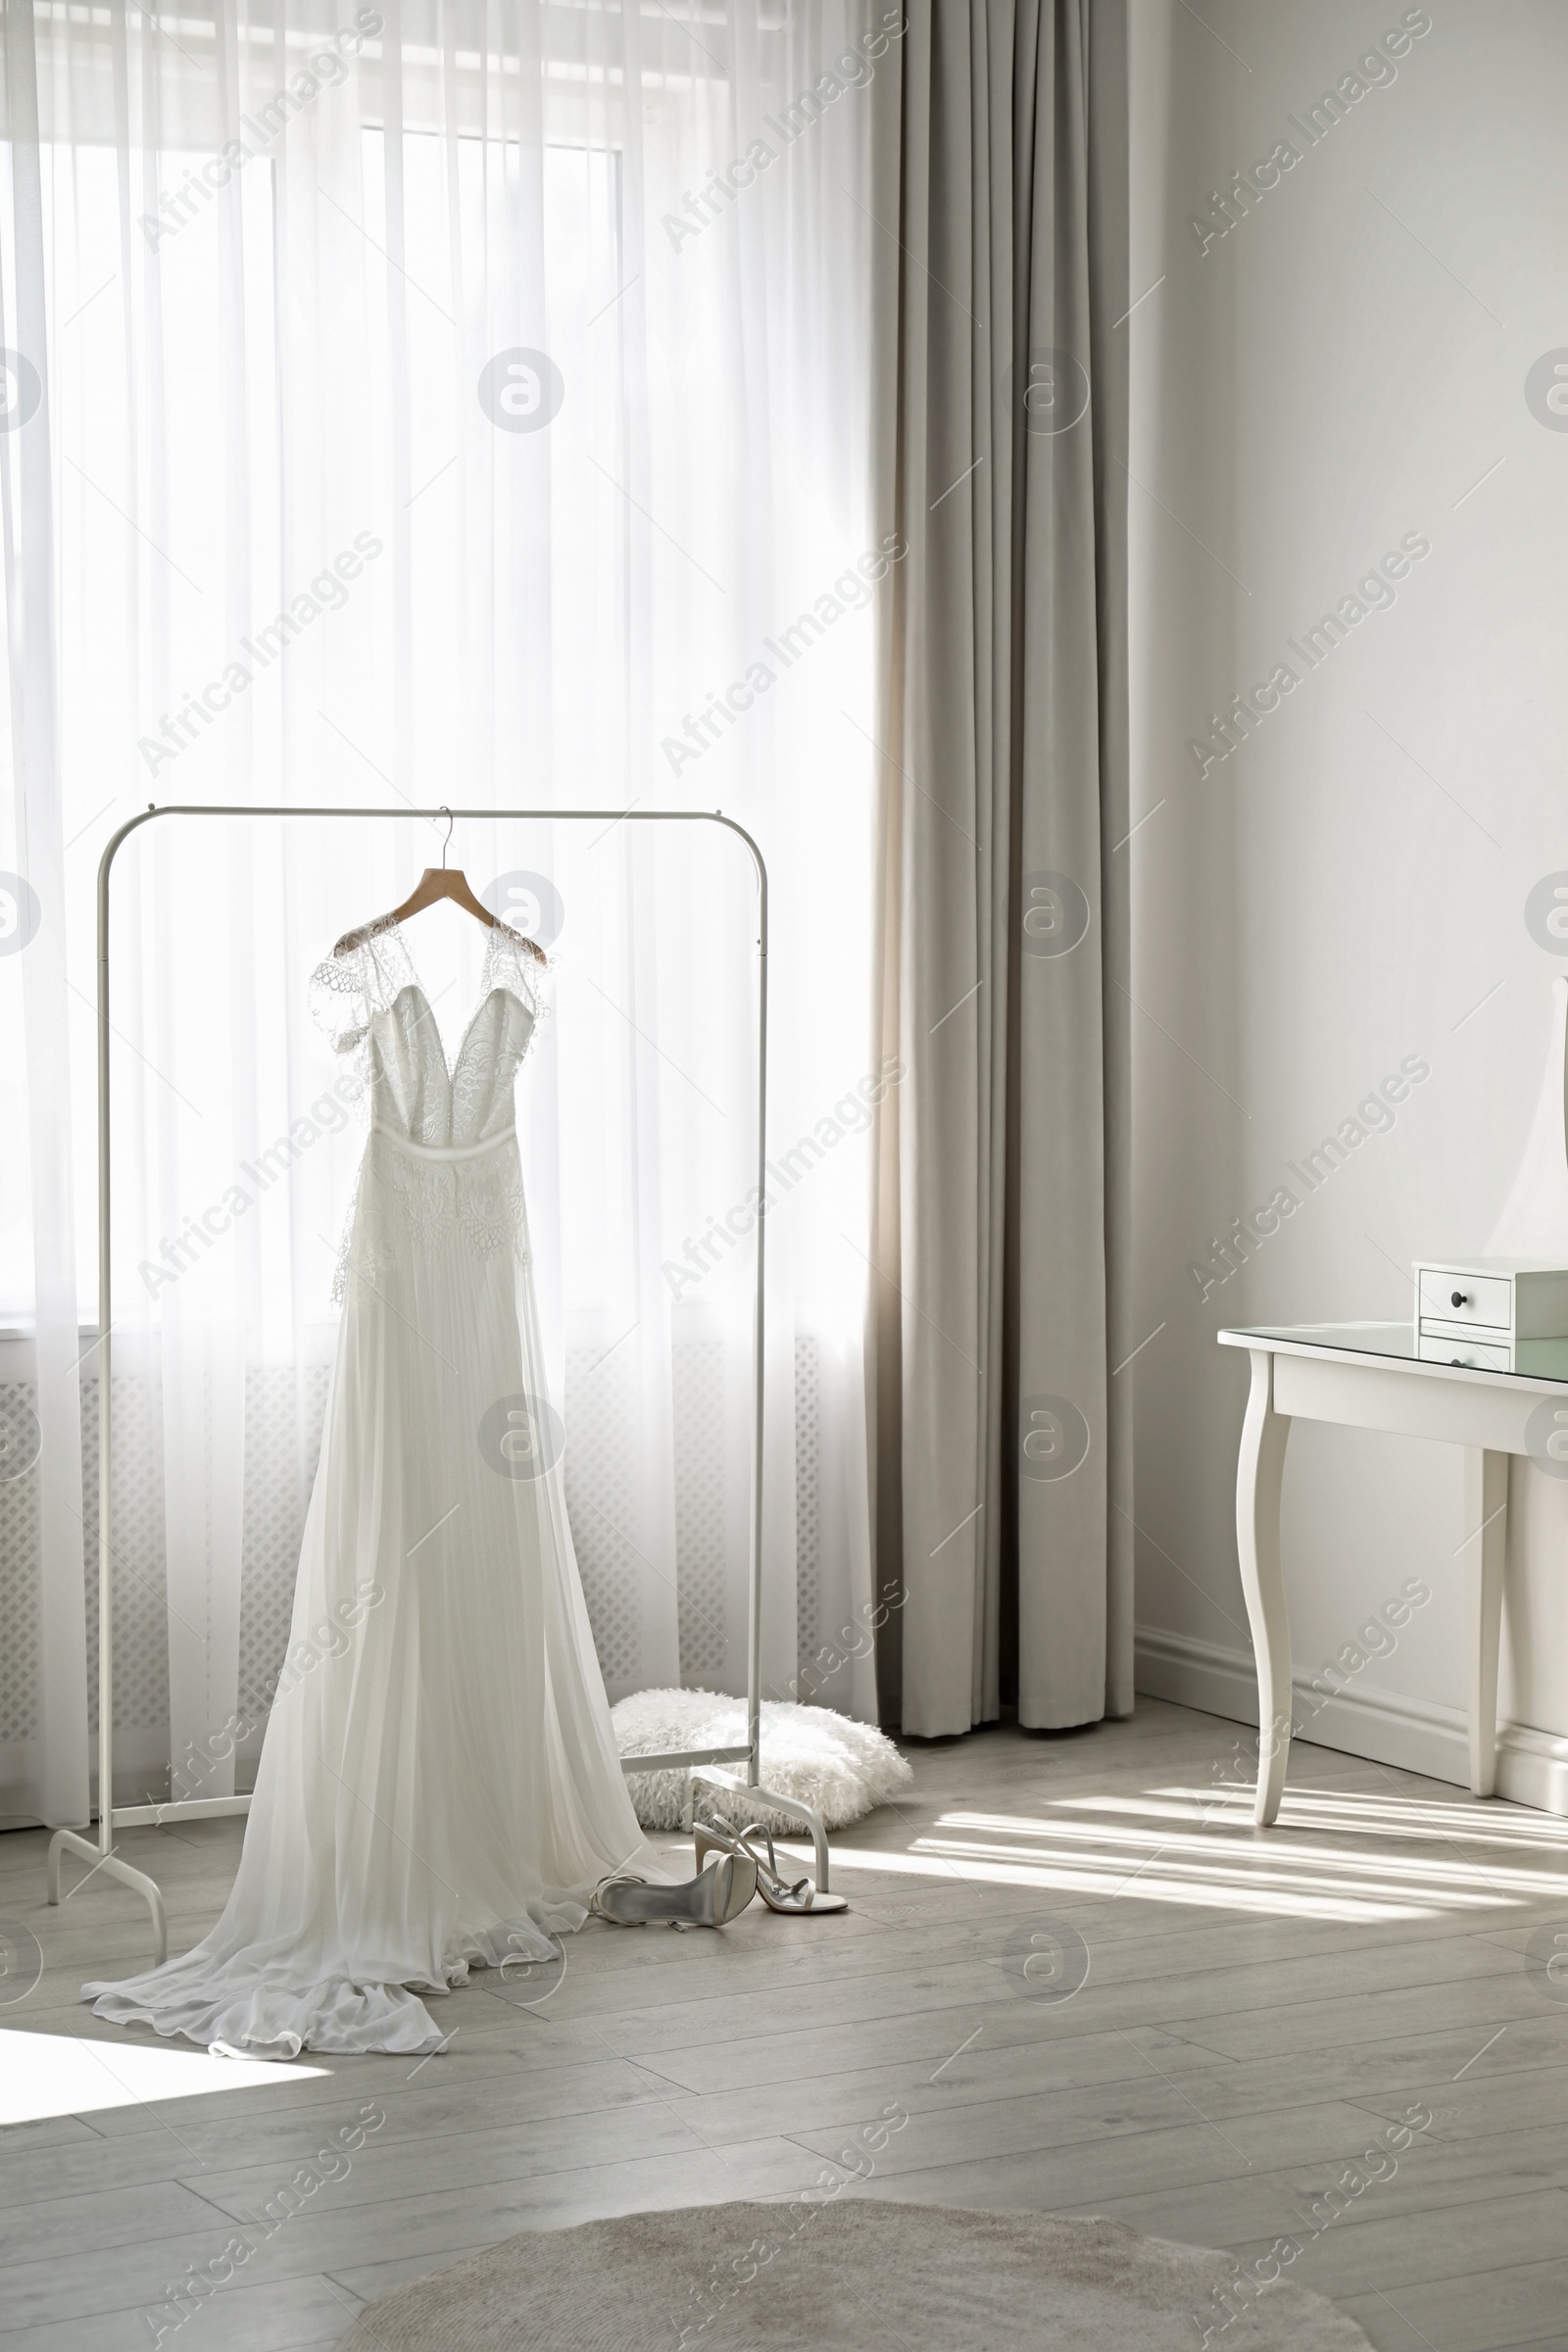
pixel 1381 1376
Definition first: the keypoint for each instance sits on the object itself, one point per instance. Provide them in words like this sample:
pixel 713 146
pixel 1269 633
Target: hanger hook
pixel 447 844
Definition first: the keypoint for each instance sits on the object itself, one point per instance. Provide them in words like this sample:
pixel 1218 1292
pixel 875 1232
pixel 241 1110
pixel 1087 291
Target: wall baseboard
pixel 1413 1733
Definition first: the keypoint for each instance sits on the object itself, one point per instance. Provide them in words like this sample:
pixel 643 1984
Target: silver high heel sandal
pixel 792 1898
pixel 711 1899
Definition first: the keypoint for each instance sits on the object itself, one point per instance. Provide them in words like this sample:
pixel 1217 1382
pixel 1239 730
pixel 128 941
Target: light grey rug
pixel 860 2275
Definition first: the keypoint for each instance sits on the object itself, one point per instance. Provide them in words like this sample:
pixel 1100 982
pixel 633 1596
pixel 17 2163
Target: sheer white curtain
pixel 431 403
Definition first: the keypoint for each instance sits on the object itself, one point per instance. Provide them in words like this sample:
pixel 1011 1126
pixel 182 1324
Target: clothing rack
pixel 713 1766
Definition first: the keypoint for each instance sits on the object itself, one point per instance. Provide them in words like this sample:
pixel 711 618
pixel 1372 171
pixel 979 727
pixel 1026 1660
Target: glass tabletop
pixel 1485 1351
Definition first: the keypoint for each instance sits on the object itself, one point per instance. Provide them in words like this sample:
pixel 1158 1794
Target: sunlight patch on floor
pixel 1481 1822
pixel 1333 1855
pixel 1079 1875
pixel 62 2073
pixel 1265 1854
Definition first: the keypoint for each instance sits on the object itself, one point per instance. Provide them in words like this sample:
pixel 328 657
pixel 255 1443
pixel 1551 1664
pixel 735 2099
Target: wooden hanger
pixel 438 882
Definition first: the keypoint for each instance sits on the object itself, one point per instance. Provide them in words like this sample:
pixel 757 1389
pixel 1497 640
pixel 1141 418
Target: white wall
pixel 1343 891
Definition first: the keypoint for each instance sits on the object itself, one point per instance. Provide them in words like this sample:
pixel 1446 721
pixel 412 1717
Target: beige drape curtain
pixel 1002 1224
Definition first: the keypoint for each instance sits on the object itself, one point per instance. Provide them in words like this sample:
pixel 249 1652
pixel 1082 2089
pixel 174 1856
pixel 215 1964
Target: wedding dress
pixel 439 1782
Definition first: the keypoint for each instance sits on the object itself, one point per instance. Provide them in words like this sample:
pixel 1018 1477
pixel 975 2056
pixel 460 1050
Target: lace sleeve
pixel 514 967
pixel 338 1001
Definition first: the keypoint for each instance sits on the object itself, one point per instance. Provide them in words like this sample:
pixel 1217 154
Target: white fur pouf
pixel 840 1767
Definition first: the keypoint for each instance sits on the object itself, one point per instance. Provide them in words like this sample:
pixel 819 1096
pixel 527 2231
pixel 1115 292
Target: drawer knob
pixel 1459 1300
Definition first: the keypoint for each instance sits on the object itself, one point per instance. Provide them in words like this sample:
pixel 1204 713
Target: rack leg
pixel 68 1841
pixel 733 1784
pixel 814 1822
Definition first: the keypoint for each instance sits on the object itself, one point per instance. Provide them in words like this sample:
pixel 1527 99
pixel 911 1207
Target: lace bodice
pixel 370 1002
pixel 441 1165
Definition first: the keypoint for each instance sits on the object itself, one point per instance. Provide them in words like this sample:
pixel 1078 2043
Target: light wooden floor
pixel 1258 2007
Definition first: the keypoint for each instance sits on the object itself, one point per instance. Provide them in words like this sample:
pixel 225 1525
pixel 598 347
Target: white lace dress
pixel 439 1782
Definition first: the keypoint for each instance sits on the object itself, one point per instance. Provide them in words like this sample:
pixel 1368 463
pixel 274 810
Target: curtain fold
pixel 1002 1205
pixel 40 1437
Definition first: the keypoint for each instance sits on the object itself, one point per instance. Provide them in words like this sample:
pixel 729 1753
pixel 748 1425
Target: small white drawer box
pixel 1453 1346
pixel 1492 1297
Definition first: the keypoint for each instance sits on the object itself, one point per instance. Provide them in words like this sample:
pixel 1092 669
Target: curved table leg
pixel 1258 1474
pixel 1486 1511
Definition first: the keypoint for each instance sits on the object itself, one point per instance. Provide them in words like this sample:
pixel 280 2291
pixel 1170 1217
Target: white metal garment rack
pixel 713 1765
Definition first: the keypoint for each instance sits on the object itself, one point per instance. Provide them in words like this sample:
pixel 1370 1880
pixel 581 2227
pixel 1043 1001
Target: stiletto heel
pixel 791 1898
pixel 710 1900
